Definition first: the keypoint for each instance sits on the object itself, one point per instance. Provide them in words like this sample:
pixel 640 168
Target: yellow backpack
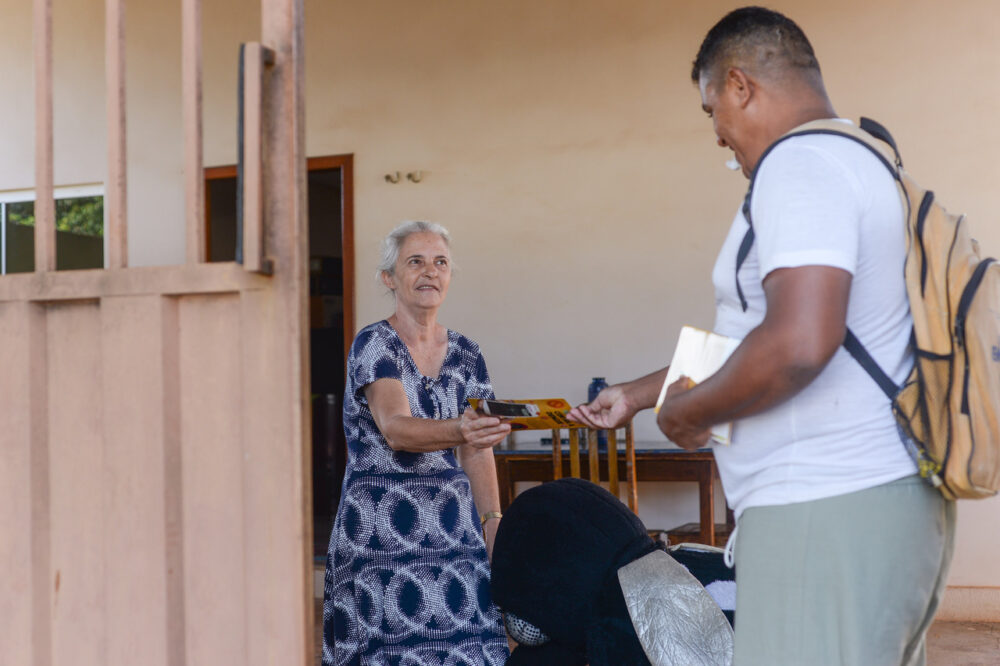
pixel 948 409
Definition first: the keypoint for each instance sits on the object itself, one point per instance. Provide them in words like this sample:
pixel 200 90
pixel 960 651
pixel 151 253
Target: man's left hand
pixel 672 423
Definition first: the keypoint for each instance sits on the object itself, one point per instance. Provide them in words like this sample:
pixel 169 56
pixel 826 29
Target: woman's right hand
pixel 480 431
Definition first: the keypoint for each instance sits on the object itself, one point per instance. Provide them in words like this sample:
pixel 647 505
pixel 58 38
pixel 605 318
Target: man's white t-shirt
pixel 820 200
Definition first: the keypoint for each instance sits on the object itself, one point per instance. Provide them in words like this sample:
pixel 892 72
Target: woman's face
pixel 423 272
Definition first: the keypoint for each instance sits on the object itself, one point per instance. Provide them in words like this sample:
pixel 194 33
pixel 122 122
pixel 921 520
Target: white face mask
pixel 523 631
pixel 732 164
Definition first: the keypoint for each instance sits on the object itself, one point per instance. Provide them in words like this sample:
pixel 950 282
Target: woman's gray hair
pixel 394 241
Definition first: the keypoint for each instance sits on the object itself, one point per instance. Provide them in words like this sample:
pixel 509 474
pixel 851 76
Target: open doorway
pixel 331 309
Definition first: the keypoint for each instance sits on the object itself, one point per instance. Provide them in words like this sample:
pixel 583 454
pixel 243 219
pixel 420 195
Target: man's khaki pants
pixel 853 580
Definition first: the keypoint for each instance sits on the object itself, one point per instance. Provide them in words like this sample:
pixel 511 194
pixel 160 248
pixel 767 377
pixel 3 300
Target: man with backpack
pixel 841 549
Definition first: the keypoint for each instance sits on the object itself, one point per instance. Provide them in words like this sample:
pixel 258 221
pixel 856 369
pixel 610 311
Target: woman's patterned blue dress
pixel 407 578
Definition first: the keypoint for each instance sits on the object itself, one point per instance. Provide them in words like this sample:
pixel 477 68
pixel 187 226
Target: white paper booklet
pixel 699 355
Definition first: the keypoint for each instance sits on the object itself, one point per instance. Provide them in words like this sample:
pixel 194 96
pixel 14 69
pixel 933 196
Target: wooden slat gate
pixel 153 464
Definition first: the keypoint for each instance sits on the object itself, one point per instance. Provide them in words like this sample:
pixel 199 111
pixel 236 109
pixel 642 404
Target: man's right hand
pixel 610 409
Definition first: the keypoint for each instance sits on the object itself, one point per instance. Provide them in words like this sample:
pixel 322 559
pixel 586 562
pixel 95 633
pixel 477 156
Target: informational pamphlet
pixel 543 414
pixel 699 355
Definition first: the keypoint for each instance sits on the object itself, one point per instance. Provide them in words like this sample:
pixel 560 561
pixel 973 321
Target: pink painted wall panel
pixel 15 485
pixel 132 388
pixel 212 462
pixel 277 466
pixel 76 464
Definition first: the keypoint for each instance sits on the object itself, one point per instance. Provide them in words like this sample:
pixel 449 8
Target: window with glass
pixel 79 229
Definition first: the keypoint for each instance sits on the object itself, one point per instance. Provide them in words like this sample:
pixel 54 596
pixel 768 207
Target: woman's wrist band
pixel 488 516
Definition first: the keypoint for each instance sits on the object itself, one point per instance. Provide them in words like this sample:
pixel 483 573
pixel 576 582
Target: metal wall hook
pixel 415 176
pixel 392 177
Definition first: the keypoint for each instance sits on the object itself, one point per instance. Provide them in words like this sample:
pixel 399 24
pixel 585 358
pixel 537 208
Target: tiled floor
pixel 948 643
pixel 963 644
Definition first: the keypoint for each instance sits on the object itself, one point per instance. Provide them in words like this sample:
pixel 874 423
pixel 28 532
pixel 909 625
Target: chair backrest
pixel 589 437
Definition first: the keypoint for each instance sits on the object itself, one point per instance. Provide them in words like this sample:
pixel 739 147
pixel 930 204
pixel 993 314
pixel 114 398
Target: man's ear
pixel 740 86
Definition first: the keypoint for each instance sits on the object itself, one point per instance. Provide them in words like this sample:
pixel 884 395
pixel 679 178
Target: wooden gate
pixel 154 502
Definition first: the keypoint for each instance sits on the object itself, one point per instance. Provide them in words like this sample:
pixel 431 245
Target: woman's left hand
pixel 482 432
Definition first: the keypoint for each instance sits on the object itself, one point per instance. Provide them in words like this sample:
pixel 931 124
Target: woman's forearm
pixel 402 431
pixel 480 467
pixel 408 433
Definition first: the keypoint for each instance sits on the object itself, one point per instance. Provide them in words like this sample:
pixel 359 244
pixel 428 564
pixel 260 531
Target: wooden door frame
pixel 346 165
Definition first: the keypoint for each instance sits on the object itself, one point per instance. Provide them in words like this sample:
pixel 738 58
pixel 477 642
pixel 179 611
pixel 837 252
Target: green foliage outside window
pixel 81 215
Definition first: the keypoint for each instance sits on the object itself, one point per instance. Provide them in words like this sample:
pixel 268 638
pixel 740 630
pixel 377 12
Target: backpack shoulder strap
pixel 879 141
pixel 871 366
pixel 870 134
pixel 745 245
pixel 879 131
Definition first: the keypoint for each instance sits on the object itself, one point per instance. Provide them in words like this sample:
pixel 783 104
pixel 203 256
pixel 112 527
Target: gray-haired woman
pixel 407 573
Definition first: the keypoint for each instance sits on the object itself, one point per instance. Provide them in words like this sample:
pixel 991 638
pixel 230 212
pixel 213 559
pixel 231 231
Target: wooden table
pixel 666 465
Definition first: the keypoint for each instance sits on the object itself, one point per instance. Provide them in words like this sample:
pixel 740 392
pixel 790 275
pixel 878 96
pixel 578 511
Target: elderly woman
pixel 407 574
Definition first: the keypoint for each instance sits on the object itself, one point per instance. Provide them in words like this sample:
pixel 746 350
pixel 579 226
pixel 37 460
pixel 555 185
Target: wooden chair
pixel 589 437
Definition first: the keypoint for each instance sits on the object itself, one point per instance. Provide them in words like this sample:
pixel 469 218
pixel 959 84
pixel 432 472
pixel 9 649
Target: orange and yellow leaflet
pixel 551 414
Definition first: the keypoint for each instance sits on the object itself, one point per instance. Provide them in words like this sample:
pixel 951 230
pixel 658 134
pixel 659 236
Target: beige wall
pixel 562 144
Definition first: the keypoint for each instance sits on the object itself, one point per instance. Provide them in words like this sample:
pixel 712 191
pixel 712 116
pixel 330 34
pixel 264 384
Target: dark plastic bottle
pixel 595 387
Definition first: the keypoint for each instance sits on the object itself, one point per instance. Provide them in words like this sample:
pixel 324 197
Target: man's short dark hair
pixel 754 36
